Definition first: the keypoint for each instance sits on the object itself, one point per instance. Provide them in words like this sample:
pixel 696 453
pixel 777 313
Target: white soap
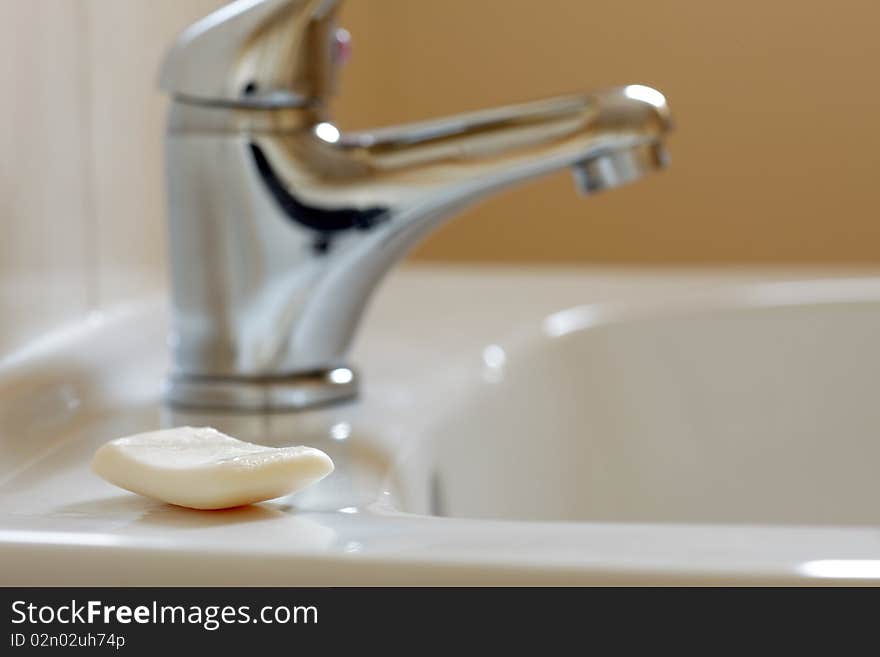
pixel 202 468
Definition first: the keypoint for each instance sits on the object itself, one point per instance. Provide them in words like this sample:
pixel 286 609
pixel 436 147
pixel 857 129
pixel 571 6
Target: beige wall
pixel 777 153
pixel 775 158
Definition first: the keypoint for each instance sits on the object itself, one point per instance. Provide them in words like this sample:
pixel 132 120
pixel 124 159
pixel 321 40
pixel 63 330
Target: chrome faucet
pixel 281 226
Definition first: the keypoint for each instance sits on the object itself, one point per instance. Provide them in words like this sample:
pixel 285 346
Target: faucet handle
pixel 257 53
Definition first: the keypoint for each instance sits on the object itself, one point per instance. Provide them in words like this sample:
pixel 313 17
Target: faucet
pixel 281 225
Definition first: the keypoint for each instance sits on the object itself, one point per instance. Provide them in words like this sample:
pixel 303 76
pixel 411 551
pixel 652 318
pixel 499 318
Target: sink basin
pixel 525 427
pixel 745 406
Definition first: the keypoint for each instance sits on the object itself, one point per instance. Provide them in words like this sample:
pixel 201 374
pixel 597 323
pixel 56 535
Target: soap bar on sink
pixel 202 468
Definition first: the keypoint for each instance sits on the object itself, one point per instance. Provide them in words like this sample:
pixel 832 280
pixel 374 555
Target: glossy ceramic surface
pixel 752 405
pixel 544 427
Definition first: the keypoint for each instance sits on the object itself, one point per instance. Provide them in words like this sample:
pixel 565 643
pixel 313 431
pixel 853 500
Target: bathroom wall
pixel 47 224
pixel 774 159
pixel 80 172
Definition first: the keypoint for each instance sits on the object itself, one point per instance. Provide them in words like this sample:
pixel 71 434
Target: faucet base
pixel 295 392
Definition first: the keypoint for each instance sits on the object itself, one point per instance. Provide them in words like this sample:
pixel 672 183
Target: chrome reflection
pixel 281 225
pixel 327 132
pixel 645 94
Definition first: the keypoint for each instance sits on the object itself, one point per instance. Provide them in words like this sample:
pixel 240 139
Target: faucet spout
pixel 281 225
pixel 609 138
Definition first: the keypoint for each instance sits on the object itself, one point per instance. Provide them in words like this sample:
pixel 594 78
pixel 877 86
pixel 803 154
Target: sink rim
pixel 401 547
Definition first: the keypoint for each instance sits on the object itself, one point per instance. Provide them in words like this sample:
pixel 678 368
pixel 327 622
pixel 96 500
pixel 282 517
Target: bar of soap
pixel 202 468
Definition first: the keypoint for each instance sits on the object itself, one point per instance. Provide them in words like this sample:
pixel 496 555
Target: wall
pixel 774 159
pixel 45 242
pixel 81 200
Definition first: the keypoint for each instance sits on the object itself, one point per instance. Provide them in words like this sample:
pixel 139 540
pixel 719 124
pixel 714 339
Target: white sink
pixel 523 427
pixel 756 405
